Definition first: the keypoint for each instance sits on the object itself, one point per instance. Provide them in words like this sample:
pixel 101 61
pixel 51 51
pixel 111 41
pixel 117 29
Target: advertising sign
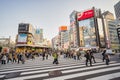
pixel 85 15
pixel 63 28
pixel 39 31
pixel 87 33
pixel 22 38
pixel 23 27
pixel 31 29
pixel 30 39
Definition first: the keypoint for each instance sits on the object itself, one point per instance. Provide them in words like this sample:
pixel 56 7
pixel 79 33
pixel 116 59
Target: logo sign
pixel 85 15
pixel 22 38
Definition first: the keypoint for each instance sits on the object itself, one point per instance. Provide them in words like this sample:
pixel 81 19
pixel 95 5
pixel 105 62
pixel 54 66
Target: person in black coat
pixel 92 56
pixel 103 54
pixel 43 55
pixel 88 58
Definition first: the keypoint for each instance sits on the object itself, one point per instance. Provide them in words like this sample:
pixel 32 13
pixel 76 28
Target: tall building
pixel 114 42
pixel 56 42
pixel 107 17
pixel 117 13
pixel 25 37
pixel 25 34
pixel 6 42
pixel 93 29
pixel 74 40
pixel 117 9
pixel 84 29
pixel 64 37
pixel 38 35
pixel 29 38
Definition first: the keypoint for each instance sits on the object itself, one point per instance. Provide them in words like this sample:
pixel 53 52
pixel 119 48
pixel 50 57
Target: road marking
pixel 83 74
pixel 57 78
pixel 106 77
pixel 31 66
pixel 33 72
pixel 29 77
pixel 87 68
pixel 1 76
pixel 39 68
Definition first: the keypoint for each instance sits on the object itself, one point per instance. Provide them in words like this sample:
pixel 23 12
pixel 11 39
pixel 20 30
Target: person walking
pixel 107 58
pixel 74 55
pixel 78 55
pixel 33 56
pixel 55 56
pixel 43 55
pixel 46 55
pixel 88 58
pixel 103 54
pixel 92 56
pixel 9 57
pixel 19 56
pixel 3 59
pixel 14 57
pixel 23 58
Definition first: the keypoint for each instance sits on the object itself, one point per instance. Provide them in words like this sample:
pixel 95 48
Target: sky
pixel 46 14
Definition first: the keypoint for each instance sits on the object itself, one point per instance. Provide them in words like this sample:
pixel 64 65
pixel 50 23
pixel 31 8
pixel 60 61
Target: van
pixel 110 51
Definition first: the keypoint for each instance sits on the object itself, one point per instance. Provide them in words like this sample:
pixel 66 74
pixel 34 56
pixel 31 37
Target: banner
pixel 85 15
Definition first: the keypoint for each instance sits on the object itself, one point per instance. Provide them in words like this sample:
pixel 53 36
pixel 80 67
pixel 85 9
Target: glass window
pixel 87 32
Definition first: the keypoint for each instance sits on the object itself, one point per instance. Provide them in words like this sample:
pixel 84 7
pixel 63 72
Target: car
pixel 110 51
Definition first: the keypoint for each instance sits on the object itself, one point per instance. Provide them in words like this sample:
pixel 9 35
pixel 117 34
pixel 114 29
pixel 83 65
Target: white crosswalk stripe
pixel 83 74
pixel 1 76
pixel 106 77
pixel 70 71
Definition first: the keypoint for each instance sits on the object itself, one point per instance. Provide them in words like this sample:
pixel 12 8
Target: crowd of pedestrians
pixel 13 57
pixel 21 57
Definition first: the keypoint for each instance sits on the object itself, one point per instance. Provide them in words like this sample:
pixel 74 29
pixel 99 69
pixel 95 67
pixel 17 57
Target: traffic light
pixel 118 31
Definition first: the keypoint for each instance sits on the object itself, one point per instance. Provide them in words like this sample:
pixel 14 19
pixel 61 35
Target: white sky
pixel 46 14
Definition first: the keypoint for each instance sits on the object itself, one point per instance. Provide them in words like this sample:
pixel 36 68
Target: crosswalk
pixel 70 71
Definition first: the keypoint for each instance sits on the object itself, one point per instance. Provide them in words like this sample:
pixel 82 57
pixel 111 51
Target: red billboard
pixel 85 15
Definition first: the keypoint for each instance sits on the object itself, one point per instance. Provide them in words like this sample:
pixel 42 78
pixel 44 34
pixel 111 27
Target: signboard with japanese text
pixel 85 15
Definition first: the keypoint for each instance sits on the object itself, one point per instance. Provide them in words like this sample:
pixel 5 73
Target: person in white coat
pixel 4 58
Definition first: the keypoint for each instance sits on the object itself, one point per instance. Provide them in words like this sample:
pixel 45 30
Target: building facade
pixel 29 38
pixel 117 9
pixel 107 17
pixel 114 42
pixel 73 30
pixel 92 28
pixel 56 42
pixel 64 37
pixel 117 13
pixel 38 35
pixel 86 28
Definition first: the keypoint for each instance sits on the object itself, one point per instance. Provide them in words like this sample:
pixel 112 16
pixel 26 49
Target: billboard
pixel 63 28
pixel 87 32
pixel 30 40
pixel 31 29
pixel 23 27
pixel 22 38
pixel 85 15
pixel 39 31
